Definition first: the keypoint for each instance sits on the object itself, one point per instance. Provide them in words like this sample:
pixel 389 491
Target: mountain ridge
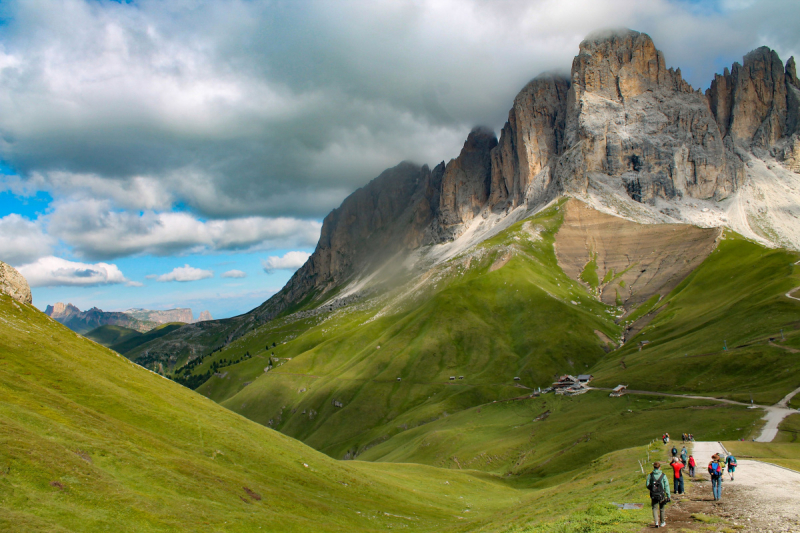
pixel 141 320
pixel 622 133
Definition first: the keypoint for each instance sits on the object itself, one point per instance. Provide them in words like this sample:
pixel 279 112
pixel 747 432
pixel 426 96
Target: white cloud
pixel 234 274
pixel 98 231
pixel 186 273
pixel 22 241
pixel 155 103
pixel 54 271
pixel 289 261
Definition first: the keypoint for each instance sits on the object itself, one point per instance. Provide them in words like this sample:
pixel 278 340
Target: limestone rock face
pixel 14 284
pixel 204 316
pixel 466 183
pixel 750 101
pixel 632 121
pixel 530 142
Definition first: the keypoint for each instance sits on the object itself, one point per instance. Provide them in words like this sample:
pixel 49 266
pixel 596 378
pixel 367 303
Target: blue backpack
pixel 715 469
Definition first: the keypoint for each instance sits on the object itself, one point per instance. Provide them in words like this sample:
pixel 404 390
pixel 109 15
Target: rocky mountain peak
pixel 621 64
pixel 14 284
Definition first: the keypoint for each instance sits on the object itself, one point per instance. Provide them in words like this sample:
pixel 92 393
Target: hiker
pixel 730 462
pixel 667 437
pixel 674 451
pixel 658 486
pixel 715 471
pixel 692 465
pixel 677 468
pixel 664 438
pixel 684 455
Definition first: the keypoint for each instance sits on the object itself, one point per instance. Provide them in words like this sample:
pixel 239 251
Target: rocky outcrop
pixel 633 122
pixel 204 316
pixel 14 284
pixel 751 102
pixel 530 142
pixel 465 184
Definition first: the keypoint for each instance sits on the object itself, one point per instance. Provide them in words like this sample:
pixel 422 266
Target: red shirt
pixel 677 467
pixel 691 461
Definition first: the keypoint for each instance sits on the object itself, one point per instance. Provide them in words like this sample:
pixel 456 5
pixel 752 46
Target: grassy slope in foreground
pixel 108 334
pixel 90 441
pixel 502 310
pixel 737 295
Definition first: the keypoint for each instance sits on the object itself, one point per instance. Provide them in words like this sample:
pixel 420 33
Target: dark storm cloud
pixel 236 109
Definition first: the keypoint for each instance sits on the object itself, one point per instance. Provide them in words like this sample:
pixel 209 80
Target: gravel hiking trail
pixel 764 498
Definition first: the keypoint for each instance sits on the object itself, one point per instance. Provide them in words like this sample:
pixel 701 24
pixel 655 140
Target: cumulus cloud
pixel 54 271
pixel 234 274
pixel 22 241
pixel 155 103
pixel 186 273
pixel 289 261
pixel 94 229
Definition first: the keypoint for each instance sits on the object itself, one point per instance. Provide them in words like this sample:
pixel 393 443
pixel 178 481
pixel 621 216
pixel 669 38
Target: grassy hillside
pixel 91 442
pixel 127 344
pixel 736 297
pixel 500 311
pixel 108 335
pixel 537 441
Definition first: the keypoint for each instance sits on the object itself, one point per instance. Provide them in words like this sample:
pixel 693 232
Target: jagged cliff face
pixel 633 122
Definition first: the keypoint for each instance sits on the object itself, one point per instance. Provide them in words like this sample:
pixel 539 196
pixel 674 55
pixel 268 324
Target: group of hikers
pixel 687 437
pixel 658 485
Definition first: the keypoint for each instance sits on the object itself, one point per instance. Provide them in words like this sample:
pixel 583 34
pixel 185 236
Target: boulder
pixel 14 284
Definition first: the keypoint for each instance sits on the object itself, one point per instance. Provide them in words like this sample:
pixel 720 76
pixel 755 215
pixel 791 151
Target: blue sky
pixel 147 142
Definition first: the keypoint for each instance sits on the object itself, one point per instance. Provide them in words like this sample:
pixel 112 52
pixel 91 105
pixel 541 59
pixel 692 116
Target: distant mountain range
pixel 141 320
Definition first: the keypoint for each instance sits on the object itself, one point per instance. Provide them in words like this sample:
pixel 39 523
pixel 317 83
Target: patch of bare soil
pixel 647 258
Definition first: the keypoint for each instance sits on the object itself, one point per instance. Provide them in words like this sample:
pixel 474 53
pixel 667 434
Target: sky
pixel 160 154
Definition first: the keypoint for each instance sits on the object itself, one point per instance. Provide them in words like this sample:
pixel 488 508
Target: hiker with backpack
pixel 730 462
pixel 674 451
pixel 658 486
pixel 677 468
pixel 715 471
pixel 684 455
pixel 692 465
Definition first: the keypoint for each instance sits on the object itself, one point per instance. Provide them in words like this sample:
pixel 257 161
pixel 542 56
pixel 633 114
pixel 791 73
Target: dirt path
pixel 763 498
pixel 789 294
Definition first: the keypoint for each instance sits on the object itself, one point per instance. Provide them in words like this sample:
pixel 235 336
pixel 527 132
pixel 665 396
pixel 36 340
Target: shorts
pixel 731 469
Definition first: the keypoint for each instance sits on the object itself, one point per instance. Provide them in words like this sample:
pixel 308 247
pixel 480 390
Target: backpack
pixel 656 487
pixel 674 452
pixel 715 469
pixel 731 461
